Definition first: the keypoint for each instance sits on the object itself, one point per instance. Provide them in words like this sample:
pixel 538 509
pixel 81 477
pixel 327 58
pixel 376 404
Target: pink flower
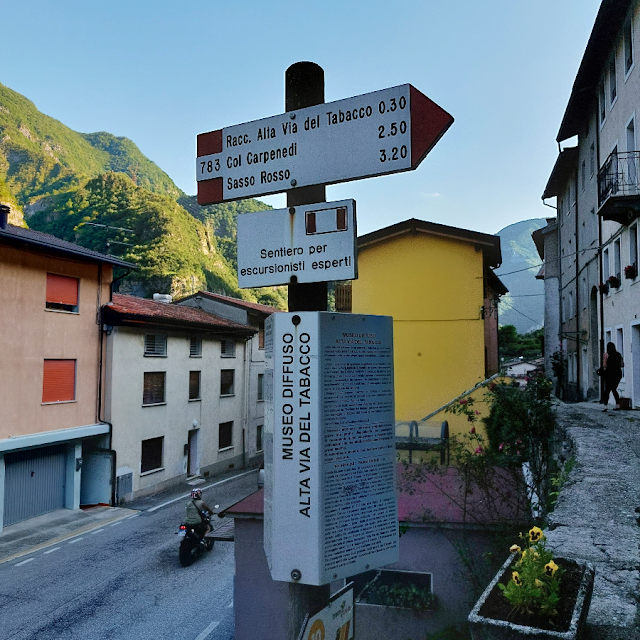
pixel 518 441
pixel 479 450
pixel 477 412
pixel 517 453
pixel 472 430
pixel 463 401
pixel 501 447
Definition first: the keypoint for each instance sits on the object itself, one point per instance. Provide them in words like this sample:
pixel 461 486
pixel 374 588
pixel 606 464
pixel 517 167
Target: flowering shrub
pixel 613 282
pixel 630 271
pixel 603 288
pixel 534 587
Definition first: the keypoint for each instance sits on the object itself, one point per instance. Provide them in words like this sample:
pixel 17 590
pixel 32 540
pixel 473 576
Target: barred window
pixel 195 347
pixel 155 344
pixel 228 349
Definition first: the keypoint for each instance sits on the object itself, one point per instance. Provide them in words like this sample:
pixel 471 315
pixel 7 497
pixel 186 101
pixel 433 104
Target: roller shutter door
pixel 34 483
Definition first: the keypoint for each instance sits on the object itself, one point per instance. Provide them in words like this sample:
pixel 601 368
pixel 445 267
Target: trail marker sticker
pixel 311 243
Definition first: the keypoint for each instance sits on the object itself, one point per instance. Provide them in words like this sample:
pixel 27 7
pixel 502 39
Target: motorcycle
pixel 193 544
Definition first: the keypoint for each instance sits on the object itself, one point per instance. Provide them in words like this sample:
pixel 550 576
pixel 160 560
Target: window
pixel 226 382
pixel 616 260
pixel 225 435
pixel 605 265
pixel 155 344
pixel 261 386
pixel 628 47
pixel 620 344
pixel 592 159
pixel 602 102
pixel 59 381
pixel 195 347
pixel 613 88
pixel 153 387
pixel 228 348
pixel 151 458
pixel 633 246
pixel 261 334
pixel 62 293
pixel 583 174
pixel 194 385
pixel 259 438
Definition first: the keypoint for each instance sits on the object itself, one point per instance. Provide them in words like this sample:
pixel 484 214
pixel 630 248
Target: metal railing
pixel 424 436
pixel 619 176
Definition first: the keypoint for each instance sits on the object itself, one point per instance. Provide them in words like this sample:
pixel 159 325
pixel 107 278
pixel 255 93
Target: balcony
pixel 619 187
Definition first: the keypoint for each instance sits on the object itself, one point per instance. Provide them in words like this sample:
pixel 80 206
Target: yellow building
pixel 437 283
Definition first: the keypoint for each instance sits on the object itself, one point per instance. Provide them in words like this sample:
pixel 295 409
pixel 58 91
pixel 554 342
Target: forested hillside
pixel 101 192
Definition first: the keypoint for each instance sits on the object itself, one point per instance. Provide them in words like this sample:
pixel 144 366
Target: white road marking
pixel 75 540
pixel 93 533
pixel 51 550
pixel 186 495
pixel 208 630
pixel 135 515
pixel 115 524
pixel 24 562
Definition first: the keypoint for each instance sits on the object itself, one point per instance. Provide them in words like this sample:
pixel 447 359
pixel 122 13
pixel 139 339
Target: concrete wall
pixel 30 334
pixel 433 288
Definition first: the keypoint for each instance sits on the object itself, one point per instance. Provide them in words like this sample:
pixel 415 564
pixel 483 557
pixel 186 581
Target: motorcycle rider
pixel 197 511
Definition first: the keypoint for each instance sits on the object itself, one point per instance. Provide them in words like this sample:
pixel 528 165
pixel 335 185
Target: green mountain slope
pixel 101 192
pixel 523 306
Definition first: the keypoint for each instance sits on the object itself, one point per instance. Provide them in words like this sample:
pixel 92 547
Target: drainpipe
pixel 578 344
pixel 600 265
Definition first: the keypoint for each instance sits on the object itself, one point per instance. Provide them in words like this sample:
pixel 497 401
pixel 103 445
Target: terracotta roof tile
pixel 124 307
pixel 15 234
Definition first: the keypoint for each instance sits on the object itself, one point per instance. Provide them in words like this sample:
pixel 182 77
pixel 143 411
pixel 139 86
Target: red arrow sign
pixel 373 134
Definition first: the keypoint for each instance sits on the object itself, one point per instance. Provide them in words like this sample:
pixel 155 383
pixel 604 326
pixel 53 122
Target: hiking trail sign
pixel 373 134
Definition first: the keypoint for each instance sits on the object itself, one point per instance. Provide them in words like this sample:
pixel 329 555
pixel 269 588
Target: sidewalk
pixel 596 517
pixel 51 528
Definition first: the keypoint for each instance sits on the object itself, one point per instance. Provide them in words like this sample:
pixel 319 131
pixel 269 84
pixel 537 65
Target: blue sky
pixel 160 72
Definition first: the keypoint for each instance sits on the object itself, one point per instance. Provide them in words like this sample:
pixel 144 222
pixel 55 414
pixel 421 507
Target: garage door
pixel 34 483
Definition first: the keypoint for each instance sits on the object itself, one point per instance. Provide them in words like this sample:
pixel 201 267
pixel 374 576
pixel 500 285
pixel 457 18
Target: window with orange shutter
pixel 62 293
pixel 59 381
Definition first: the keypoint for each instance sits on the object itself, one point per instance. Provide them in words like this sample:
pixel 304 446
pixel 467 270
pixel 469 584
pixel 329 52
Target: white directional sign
pixel 373 134
pixel 307 243
pixel 333 622
pixel 330 495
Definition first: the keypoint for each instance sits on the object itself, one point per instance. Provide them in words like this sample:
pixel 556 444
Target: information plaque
pixel 330 496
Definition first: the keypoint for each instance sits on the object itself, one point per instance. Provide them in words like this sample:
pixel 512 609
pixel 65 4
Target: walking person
pixel 612 364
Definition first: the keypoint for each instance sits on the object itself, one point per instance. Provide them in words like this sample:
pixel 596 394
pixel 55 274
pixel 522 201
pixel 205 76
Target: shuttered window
pixel 151 457
pixel 155 344
pixel 226 382
pixel 195 347
pixel 153 387
pixel 228 349
pixel 62 293
pixel 225 435
pixel 194 385
pixel 59 381
pixel 261 335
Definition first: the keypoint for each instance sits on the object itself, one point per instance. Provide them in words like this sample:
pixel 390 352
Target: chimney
pixel 4 216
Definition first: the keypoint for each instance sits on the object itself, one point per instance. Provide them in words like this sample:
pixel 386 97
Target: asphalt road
pixel 124 581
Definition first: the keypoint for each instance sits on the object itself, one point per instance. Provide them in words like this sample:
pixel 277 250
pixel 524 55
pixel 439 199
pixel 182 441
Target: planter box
pixel 483 628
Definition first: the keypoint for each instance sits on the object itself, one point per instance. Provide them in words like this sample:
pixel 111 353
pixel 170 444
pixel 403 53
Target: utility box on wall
pixel 330 500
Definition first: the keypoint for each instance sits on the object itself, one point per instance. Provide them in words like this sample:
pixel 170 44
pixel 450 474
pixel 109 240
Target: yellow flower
pixel 535 534
pixel 513 548
pixel 516 578
pixel 539 583
pixel 550 568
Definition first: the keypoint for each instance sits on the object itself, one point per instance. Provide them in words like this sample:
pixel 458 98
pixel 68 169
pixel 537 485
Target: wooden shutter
pixel 59 381
pixel 153 387
pixel 62 289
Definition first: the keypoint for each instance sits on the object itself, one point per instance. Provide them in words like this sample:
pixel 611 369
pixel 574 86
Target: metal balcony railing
pixel 619 176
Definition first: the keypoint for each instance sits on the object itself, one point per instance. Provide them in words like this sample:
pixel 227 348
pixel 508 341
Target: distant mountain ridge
pixel 100 191
pixel 523 306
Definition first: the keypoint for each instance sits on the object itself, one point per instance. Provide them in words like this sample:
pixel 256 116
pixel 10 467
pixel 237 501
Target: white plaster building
pixel 178 393
pixel 597 189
